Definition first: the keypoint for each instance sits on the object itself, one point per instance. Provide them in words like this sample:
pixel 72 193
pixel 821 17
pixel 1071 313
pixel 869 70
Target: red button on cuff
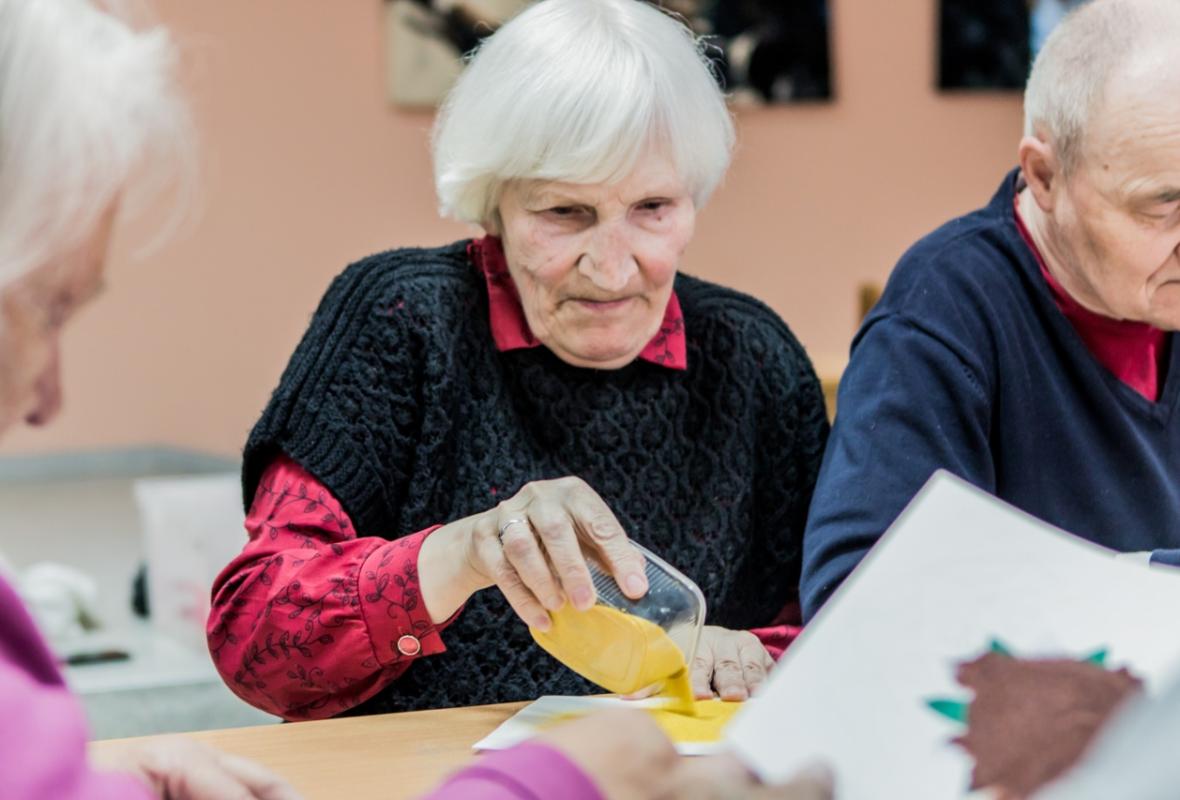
pixel 409 645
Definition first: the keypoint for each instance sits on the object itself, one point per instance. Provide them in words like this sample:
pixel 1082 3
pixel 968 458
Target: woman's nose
pixel 48 392
pixel 608 261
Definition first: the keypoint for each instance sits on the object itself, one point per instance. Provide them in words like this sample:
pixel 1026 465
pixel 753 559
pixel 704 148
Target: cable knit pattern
pixel 399 402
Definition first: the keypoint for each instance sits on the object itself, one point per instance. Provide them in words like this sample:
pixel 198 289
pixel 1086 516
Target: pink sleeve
pixel 529 771
pixel 310 620
pixel 44 746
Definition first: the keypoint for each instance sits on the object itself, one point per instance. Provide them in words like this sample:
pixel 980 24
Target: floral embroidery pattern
pixel 305 622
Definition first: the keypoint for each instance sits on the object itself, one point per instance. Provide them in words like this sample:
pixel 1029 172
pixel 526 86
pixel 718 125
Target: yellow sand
pixel 704 723
pixel 620 652
pixel 708 718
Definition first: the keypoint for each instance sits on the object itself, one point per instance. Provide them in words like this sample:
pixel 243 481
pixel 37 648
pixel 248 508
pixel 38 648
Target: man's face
pixel 1116 220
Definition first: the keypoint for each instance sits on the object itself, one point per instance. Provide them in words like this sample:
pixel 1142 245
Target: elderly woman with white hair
pixel 463 426
pixel 85 100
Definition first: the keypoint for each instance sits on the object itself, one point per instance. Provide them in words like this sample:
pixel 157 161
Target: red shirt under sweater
pixel 305 564
pixel 1134 352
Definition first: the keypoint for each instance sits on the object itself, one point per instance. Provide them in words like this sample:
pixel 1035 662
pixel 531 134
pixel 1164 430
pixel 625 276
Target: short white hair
pixel 578 91
pixel 86 102
pixel 1073 70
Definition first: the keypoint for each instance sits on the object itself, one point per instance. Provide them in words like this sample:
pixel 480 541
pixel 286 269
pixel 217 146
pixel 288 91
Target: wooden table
pixel 388 756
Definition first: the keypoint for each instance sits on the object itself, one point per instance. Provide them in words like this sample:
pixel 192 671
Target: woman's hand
pixel 627 755
pixel 533 547
pixel 182 769
pixel 729 664
pixel 723 777
pixel 623 751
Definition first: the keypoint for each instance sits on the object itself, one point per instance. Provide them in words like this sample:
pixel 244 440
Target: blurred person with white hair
pixel 462 427
pixel 1028 347
pixel 85 101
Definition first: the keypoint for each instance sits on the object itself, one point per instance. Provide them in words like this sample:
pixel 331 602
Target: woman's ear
pixel 493 226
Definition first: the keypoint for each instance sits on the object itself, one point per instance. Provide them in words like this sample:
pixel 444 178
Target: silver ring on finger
pixel 504 528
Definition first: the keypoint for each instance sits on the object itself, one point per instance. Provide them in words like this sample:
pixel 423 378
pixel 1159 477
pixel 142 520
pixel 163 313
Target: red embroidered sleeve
pixel 781 632
pixel 310 620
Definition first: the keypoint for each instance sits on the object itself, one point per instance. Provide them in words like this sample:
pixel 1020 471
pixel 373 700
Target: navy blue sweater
pixel 967 364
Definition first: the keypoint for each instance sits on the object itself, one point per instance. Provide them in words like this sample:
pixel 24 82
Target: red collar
pixel 668 348
pixel 1133 351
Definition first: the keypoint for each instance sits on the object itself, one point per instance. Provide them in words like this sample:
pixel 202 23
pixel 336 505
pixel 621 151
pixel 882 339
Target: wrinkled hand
pixel 177 768
pixel 534 548
pixel 729 664
pixel 627 755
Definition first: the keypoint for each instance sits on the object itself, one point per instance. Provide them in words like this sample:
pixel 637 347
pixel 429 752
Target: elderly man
pixel 1027 347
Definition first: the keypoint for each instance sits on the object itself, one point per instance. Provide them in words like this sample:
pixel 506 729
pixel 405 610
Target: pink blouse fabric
pixel 42 728
pixel 529 771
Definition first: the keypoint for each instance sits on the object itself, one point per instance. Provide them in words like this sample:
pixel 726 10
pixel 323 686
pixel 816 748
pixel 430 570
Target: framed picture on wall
pixel 764 51
pixel 990 44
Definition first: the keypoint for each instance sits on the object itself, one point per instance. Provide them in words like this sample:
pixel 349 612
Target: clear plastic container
pixel 626 645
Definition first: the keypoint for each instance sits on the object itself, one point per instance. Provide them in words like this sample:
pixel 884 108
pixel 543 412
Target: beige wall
pixel 307 167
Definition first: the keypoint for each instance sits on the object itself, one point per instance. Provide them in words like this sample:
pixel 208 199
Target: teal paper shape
pixel 951 709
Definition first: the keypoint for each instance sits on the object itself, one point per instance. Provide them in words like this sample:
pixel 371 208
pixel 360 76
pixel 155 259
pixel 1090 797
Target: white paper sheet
pixel 542 713
pixel 1134 757
pixel 956 570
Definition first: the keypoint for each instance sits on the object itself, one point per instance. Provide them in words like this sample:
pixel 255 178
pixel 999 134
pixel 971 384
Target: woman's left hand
pixel 729 664
pixel 178 768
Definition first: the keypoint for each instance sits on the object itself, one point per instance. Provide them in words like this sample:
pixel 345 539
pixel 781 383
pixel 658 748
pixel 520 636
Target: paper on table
pixel 956 570
pixel 546 711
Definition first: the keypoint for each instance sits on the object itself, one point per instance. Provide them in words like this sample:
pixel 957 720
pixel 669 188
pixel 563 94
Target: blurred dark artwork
pixel 458 26
pixel 764 51
pixel 990 44
pixel 983 44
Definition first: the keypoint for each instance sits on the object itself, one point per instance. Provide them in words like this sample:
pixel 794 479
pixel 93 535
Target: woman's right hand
pixel 533 547
pixel 627 755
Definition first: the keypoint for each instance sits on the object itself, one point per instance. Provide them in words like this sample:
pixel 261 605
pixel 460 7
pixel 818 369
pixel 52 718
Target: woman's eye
pixel 653 205
pixel 569 215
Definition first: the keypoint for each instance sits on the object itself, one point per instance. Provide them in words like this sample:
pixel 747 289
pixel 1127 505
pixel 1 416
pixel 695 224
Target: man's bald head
pixel 1090 55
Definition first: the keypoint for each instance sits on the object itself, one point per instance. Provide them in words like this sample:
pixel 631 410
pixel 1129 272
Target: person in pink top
pixel 86 102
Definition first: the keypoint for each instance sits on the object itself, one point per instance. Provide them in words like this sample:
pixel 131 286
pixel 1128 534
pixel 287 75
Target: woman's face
pixel 33 311
pixel 594 263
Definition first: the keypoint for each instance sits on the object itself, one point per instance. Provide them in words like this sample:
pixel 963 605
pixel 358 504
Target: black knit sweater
pixel 398 401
